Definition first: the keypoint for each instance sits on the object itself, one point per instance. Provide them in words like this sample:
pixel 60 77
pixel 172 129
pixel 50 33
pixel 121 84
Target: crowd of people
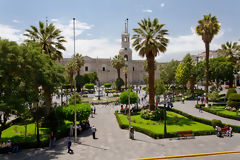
pixel 9 147
pixel 227 130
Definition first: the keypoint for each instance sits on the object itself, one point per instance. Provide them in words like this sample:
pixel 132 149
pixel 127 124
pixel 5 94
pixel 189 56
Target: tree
pixel 71 68
pixel 149 40
pixel 118 62
pixel 220 69
pixel 234 101
pixel 207 28
pixel 168 72
pixel 79 82
pixel 125 71
pixel 49 38
pixel 79 62
pixel 119 83
pixel 160 88
pixel 186 73
pixel 231 51
pixel 123 98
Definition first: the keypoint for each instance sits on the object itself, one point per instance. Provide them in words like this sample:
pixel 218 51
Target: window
pixel 103 68
pixel 86 68
pixel 133 68
pixel 125 48
pixel 126 58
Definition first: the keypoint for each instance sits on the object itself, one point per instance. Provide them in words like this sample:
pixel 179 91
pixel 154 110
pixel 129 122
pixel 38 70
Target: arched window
pixel 125 57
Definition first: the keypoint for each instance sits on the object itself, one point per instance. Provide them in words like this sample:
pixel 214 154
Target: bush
pixel 72 99
pixel 154 115
pixel 119 83
pixel 89 86
pixel 123 98
pixel 67 112
pixel 230 91
pixel 234 101
pixel 107 85
pixel 216 122
pixel 213 96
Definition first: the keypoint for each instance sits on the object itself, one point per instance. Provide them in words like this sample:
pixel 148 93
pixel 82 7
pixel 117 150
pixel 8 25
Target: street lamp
pixel 197 79
pixel 165 117
pixel 75 112
pixel 129 111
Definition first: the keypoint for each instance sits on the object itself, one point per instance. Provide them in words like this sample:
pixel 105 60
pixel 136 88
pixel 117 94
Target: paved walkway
pixel 113 144
pixel 189 107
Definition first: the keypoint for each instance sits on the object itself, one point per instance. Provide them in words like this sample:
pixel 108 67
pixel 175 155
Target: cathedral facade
pixel 105 71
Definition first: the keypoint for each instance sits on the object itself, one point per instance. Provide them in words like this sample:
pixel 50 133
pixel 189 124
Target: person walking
pixel 94 110
pixel 94 132
pixel 202 99
pixel 200 108
pixel 182 99
pixel 132 133
pixel 69 144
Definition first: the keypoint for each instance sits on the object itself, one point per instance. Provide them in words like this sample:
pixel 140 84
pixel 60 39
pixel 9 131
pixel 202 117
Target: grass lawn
pixel 175 122
pixel 221 109
pixel 16 132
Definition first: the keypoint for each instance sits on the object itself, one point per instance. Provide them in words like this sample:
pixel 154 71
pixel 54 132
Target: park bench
pixel 185 134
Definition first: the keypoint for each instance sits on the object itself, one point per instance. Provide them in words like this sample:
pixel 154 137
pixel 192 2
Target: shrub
pixel 230 91
pixel 107 85
pixel 67 112
pixel 123 98
pixel 234 101
pixel 213 96
pixel 119 83
pixel 154 115
pixel 72 99
pixel 89 86
pixel 216 122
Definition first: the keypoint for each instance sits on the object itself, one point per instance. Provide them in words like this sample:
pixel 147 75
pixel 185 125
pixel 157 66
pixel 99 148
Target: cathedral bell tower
pixel 125 50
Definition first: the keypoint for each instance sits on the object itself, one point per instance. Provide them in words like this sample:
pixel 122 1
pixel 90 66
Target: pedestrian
pixel 182 99
pixel 94 132
pixel 131 133
pixel 94 110
pixel 69 144
pixel 51 137
pixel 202 99
pixel 200 108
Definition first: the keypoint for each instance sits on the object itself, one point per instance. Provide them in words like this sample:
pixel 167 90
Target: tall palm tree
pixel 79 62
pixel 118 62
pixel 231 51
pixel 207 28
pixel 71 69
pixel 125 71
pixel 149 40
pixel 49 38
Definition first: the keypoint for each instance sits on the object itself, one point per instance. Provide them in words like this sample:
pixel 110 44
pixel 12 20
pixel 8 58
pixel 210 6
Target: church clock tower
pixel 125 50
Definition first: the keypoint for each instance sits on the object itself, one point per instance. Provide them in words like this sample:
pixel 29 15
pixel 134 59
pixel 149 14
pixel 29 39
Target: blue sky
pixel 101 22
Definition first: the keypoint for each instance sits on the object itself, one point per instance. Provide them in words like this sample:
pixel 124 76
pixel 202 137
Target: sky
pixel 100 23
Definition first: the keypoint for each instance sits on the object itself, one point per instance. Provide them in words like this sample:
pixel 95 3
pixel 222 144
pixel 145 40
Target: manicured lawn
pixel 221 109
pixel 16 132
pixel 175 122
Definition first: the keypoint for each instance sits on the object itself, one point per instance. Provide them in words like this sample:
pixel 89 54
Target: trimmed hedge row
pixel 218 113
pixel 159 136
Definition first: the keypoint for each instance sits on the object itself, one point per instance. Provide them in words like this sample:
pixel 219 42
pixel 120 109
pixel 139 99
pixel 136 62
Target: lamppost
pixel 99 90
pixel 129 111
pixel 165 117
pixel 197 79
pixel 75 112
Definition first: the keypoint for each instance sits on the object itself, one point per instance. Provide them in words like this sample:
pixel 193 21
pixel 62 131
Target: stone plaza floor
pixel 112 143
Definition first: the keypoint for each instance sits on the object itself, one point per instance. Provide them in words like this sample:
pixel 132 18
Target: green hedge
pixel 219 114
pixel 159 136
pixel 234 127
pixel 107 85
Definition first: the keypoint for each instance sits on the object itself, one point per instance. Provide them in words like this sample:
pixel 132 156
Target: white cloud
pixel 179 46
pixel 147 10
pixel 162 4
pixel 8 32
pixel 16 21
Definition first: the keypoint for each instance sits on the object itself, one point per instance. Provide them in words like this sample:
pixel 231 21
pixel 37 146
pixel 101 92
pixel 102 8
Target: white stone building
pixel 105 71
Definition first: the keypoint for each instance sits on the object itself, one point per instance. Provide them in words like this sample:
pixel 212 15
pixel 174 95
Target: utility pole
pixel 75 113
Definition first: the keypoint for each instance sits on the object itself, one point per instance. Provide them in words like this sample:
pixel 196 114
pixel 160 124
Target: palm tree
pixel 231 51
pixel 125 71
pixel 207 28
pixel 71 68
pixel 149 40
pixel 79 62
pixel 118 62
pixel 49 38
